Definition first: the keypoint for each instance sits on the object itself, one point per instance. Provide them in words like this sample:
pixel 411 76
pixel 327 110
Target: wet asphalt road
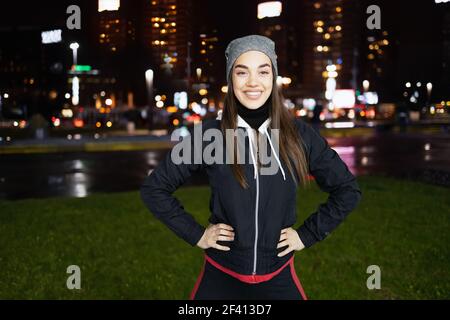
pixel 418 157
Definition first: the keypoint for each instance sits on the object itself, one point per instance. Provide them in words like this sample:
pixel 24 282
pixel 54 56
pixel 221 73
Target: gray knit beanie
pixel 248 43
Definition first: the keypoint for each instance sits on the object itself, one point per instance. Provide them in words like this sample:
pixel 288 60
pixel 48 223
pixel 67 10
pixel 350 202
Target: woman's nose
pixel 252 81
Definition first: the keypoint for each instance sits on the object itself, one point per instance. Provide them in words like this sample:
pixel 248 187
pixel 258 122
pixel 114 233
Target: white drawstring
pixel 255 169
pixel 276 156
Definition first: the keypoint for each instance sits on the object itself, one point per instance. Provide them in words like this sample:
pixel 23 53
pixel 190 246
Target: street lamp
pixel 74 46
pixel 429 88
pixel 366 84
pixel 149 84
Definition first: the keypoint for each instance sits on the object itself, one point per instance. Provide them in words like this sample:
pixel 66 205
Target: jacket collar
pixel 243 124
pixel 262 129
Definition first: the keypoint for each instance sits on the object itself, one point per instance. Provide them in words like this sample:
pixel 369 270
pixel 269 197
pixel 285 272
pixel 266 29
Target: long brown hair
pixel 290 143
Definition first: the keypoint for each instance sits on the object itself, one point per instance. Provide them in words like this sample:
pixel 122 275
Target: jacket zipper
pixel 255 256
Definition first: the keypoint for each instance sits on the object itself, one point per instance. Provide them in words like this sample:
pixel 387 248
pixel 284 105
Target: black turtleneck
pixel 254 117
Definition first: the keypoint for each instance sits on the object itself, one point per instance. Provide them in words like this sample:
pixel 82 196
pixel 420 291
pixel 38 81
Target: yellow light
pixel 163 30
pixel 319 48
pixel 338 28
pixel 326 36
pixel 173 24
pixel 203 92
pixel 163 19
pixel 156 24
pixel 320 23
pixel 371 56
pixel 176 122
pixel 109 124
pixel 159 104
pixel 371 46
pixel 98 124
pixel 224 89
pixel 385 42
pixel 317 5
pixel 157 42
pixel 448 103
pixel 338 9
pixel 172 109
pixel 319 29
pixel 325 48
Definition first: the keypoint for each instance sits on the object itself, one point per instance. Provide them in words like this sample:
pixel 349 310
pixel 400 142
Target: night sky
pixel 414 24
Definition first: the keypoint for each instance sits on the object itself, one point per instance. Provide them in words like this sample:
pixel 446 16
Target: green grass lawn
pixel 125 253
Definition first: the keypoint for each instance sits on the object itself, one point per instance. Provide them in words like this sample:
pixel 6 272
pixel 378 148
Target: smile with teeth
pixel 253 94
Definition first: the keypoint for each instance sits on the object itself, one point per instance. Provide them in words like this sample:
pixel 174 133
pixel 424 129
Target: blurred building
pixel 331 37
pixel 278 20
pixel 167 30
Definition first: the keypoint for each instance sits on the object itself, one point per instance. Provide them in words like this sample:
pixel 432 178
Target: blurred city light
pixel 344 98
pixel 269 9
pixel 108 5
pixel 52 36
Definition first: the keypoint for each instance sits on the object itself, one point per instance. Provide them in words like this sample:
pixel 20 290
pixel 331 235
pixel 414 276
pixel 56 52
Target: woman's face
pixel 252 79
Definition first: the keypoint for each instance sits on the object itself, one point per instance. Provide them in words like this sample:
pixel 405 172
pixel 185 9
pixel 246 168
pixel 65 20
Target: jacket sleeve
pixel 332 176
pixel 157 194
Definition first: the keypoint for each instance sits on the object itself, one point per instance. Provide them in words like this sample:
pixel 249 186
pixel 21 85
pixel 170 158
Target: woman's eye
pixel 239 73
pixel 265 72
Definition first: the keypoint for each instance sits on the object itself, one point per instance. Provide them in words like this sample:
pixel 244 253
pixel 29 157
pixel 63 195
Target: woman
pixel 249 244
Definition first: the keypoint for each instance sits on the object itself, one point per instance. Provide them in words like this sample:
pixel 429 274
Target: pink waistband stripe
pixel 258 278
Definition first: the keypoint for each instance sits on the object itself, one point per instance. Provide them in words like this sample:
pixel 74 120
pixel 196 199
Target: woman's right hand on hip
pixel 214 233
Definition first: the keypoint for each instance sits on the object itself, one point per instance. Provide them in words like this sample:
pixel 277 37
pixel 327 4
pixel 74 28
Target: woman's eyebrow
pixel 245 67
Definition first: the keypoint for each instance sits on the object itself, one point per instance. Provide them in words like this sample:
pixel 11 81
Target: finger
pixel 283 237
pixel 225 238
pixel 223 248
pixel 284 230
pixel 282 244
pixel 226 233
pixel 225 226
pixel 285 252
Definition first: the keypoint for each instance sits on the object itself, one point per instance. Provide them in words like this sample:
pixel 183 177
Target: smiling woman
pixel 250 241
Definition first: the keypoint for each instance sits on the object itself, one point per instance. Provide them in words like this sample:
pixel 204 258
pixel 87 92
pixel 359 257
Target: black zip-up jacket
pixel 258 213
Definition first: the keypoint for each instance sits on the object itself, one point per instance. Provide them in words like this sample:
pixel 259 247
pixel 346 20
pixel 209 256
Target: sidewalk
pixel 79 143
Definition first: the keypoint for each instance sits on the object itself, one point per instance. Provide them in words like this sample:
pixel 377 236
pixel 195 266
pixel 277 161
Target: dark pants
pixel 214 284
